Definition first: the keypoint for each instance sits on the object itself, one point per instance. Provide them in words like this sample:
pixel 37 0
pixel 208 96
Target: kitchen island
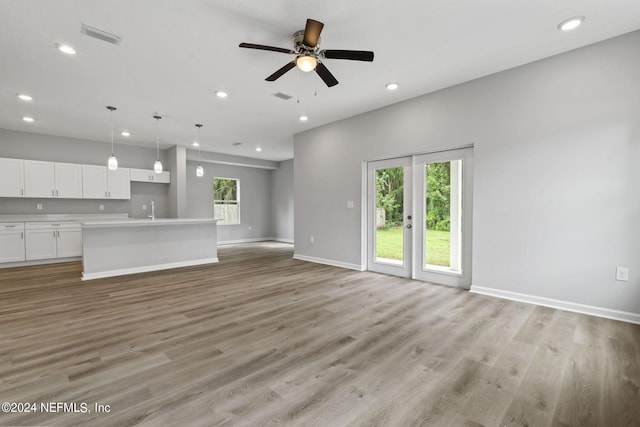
pixel 118 247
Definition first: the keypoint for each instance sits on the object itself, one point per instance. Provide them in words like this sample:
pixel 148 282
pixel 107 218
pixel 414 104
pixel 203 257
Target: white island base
pixel 115 248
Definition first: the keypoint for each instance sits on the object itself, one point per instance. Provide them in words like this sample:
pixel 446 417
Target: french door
pixel 419 217
pixel 389 212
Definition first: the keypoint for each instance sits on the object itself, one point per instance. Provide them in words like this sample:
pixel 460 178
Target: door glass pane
pixel 389 215
pixel 443 215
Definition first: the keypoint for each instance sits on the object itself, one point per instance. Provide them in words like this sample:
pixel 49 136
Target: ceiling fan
pixel 308 54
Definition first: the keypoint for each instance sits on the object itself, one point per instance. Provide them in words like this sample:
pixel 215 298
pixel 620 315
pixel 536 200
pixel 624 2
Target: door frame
pixel 416 271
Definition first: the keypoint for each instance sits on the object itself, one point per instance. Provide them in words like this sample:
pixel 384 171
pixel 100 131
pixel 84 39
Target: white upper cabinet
pixel 68 180
pixel 39 179
pixel 11 177
pixel 144 175
pixel 119 183
pixel 94 182
pixel 48 179
pixel 100 183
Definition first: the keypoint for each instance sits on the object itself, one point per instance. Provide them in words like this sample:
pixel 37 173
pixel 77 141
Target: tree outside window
pixel 226 200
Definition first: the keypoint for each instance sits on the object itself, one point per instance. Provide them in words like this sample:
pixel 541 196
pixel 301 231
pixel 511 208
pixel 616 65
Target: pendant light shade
pixel 112 163
pixel 199 168
pixel 157 166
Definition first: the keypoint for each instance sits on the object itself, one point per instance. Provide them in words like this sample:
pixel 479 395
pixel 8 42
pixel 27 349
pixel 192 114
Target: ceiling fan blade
pixel 263 47
pixel 354 55
pixel 275 76
pixel 326 75
pixel 312 33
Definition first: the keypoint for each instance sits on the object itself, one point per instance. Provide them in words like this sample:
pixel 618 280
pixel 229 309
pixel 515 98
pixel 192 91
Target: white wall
pixel 255 199
pixel 556 182
pixel 282 202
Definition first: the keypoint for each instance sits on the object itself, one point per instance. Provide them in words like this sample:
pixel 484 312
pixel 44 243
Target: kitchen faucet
pixel 153 211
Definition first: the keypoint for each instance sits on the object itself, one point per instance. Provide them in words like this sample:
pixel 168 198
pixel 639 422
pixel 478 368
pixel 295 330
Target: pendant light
pixel 112 163
pixel 199 169
pixel 157 166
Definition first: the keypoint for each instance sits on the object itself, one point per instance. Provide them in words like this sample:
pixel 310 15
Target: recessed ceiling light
pixel 221 94
pixel 125 133
pixel 196 144
pixel 65 48
pixel 28 119
pixel 571 23
pixel 258 149
pixel 25 97
pixel 391 86
pixel 303 118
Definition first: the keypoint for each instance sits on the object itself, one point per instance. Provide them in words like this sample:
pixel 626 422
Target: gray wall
pixel 556 181
pixel 282 201
pixel 33 146
pixel 255 199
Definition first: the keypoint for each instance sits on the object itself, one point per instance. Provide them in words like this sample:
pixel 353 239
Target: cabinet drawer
pixel 11 226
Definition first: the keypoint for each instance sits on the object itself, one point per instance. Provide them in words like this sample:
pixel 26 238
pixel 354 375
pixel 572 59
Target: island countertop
pixel 129 246
pixel 129 222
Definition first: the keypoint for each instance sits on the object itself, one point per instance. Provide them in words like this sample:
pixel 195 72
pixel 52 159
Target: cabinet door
pixel 140 175
pixel 119 184
pixel 68 180
pixel 38 179
pixel 69 241
pixel 11 242
pixel 40 243
pixel 94 182
pixel 11 178
pixel 162 178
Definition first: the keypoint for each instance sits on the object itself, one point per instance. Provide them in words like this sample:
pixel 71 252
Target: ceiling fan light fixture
pixel 306 63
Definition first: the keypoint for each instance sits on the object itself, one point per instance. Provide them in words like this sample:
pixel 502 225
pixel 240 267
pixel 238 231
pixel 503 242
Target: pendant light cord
pixel 157 136
pixel 198 126
pixel 111 109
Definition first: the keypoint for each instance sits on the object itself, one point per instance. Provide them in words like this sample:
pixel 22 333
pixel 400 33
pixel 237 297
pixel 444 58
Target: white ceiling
pixel 175 54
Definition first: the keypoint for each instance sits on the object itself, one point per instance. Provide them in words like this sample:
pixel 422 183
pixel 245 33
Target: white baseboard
pixel 39 262
pixel 562 305
pixel 283 240
pixel 254 240
pixel 146 268
pixel 329 262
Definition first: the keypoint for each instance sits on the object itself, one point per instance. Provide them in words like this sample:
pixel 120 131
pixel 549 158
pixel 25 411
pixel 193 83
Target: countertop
pixel 147 222
pixel 62 217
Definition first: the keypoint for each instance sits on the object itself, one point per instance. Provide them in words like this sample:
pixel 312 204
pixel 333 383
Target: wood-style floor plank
pixel 261 339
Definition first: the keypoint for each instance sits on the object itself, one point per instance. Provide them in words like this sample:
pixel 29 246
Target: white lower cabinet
pixel 12 242
pixel 52 240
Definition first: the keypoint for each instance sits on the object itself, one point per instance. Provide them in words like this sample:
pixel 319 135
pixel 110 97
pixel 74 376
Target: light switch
pixel 101 207
pixel 349 204
pixel 39 206
pixel 144 207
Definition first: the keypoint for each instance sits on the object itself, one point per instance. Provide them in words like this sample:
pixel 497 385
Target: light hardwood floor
pixel 261 339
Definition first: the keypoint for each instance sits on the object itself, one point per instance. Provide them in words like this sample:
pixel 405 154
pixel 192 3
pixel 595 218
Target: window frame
pixel 237 180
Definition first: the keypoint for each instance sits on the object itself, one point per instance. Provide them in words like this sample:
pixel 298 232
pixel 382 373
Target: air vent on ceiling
pixel 282 95
pixel 99 34
pixel 236 144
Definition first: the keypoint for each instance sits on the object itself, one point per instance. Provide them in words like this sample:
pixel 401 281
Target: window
pixel 226 200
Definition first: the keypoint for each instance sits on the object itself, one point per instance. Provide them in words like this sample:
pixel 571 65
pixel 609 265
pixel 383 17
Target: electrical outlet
pixel 39 206
pixel 144 207
pixel 311 239
pixel 349 204
pixel 101 207
pixel 249 228
pixel 622 274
